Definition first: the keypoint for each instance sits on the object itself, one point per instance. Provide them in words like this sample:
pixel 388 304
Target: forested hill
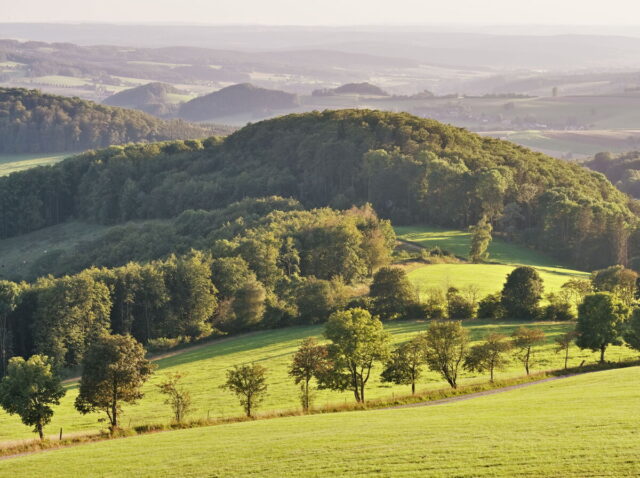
pixel 237 99
pixel 623 170
pixel 412 170
pixel 152 98
pixel 34 122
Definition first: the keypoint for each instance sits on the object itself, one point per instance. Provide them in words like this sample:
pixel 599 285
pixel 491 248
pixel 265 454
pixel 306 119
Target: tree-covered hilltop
pixel 623 170
pixel 153 98
pixel 237 99
pixel 34 122
pixel 412 170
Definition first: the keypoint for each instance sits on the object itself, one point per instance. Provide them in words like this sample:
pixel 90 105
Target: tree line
pixel 412 170
pixel 270 270
pixel 115 367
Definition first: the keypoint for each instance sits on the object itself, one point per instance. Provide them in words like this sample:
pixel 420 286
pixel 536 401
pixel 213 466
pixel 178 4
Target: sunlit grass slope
pixel 12 163
pixel 574 427
pixel 489 277
pixel 206 366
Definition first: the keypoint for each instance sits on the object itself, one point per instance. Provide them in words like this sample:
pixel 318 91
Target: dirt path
pixel 478 394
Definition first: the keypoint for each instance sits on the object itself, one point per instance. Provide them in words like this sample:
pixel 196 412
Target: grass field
pixel 11 163
pixel 488 278
pixel 206 366
pixel 579 426
pixel 17 254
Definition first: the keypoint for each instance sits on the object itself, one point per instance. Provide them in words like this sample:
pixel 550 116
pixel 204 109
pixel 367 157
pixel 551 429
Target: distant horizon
pixel 330 13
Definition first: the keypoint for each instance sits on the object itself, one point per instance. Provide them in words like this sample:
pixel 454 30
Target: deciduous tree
pixel 357 341
pixel 490 355
pixel 114 370
pixel 601 318
pixel 249 383
pixel 309 361
pixel 178 397
pixel 446 345
pixel 525 340
pixel 29 389
pixel 405 364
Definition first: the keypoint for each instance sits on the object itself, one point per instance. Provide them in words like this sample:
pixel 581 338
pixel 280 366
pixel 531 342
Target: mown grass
pixel 206 366
pixel 12 163
pixel 488 278
pixel 579 426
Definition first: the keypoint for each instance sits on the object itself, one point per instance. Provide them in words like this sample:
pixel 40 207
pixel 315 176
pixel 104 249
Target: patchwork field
pixel 205 368
pixel 559 428
pixel 488 278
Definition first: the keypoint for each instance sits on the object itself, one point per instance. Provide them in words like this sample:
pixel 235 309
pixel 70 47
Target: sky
pixel 327 12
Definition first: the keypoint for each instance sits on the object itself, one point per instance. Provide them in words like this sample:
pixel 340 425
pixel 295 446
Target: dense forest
pixel 34 122
pixel 623 170
pixel 260 263
pixel 237 99
pixel 411 170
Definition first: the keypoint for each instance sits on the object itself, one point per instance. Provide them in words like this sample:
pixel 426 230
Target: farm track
pixel 428 403
pixel 470 396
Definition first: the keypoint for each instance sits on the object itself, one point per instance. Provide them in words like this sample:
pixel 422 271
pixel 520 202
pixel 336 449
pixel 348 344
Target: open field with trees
pixel 552 429
pixel 486 278
pixel 205 366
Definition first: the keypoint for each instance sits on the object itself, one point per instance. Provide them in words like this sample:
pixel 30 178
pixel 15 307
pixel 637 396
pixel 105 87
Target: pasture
pixel 488 278
pixel 567 427
pixel 12 163
pixel 206 365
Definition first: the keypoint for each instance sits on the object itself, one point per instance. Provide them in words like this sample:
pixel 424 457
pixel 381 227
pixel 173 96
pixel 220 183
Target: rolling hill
pixel 412 170
pixel 558 428
pixel 34 122
pixel 205 368
pixel 159 99
pixel 237 99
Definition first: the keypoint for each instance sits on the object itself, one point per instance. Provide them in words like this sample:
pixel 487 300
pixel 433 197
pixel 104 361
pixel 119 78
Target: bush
pixel 460 308
pixel 491 307
pixel 558 312
pixel 163 344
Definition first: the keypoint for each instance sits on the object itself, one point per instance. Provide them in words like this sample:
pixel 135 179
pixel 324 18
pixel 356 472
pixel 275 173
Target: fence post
pixel 60 434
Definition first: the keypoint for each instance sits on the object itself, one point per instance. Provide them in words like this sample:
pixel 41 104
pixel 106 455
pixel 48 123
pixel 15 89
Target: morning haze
pixel 309 239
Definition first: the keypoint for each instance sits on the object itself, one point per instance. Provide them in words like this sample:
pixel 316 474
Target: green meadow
pixel 205 367
pixel 11 163
pixel 579 426
pixel 488 278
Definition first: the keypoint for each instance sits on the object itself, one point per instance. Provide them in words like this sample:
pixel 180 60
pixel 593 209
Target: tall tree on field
pixel 29 389
pixel 114 370
pixel 404 367
pixel 480 240
pixel 392 293
pixel 601 321
pixel 249 383
pixel 563 344
pixel 521 293
pixel 309 361
pixel 446 346
pixel 524 341
pixel 490 355
pixel 178 397
pixel 357 341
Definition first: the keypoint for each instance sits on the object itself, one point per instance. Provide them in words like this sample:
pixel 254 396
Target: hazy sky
pixel 326 12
